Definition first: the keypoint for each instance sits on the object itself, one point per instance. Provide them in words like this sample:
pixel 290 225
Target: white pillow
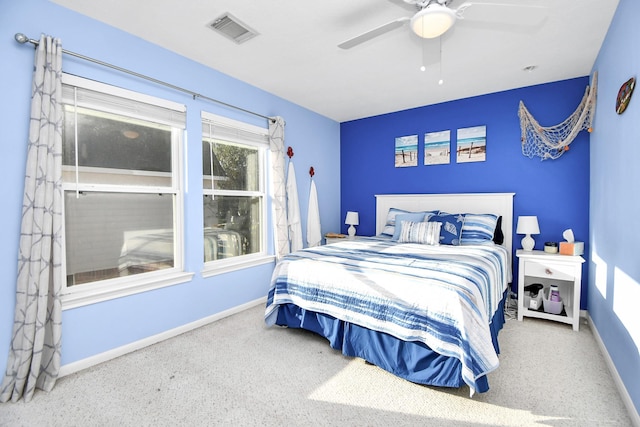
pixel 426 233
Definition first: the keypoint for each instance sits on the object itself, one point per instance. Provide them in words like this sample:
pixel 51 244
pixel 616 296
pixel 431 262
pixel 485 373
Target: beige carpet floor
pixel 237 372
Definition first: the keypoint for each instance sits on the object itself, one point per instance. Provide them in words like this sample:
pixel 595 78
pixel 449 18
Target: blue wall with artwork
pixel 557 191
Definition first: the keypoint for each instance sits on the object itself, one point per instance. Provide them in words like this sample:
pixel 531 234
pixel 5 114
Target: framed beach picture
pixel 437 148
pixel 472 144
pixel 406 151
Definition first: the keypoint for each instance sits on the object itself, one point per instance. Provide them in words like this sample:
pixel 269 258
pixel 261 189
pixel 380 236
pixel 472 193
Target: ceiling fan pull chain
pixel 440 82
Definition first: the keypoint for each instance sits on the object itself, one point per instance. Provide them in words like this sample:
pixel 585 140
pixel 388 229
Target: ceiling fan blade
pixel 411 7
pixel 382 29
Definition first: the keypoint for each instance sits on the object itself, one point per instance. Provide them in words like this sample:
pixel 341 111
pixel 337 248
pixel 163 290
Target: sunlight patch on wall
pixel 626 295
pixel 600 271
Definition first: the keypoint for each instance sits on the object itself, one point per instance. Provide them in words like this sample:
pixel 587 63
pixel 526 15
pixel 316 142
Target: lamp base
pixel 351 231
pixel 528 243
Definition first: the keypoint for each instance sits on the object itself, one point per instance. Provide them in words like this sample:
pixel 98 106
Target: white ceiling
pixel 296 55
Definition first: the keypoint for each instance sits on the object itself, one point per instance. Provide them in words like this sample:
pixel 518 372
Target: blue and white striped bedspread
pixel 443 296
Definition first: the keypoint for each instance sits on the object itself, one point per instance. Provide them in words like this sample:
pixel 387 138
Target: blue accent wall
pixel 614 270
pixel 557 191
pixel 97 328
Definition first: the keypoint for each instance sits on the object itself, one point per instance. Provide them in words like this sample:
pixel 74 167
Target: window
pixel 121 181
pixel 233 169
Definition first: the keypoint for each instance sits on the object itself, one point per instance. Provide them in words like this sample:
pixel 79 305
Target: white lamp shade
pixel 352 218
pixel 528 225
pixel 433 21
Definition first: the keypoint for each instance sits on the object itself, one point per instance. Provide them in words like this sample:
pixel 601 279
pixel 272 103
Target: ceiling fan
pixel 432 19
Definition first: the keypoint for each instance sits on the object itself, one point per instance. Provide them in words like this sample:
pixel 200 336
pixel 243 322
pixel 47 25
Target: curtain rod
pixel 22 39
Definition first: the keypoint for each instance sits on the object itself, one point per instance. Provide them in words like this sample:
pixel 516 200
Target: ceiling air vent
pixel 229 26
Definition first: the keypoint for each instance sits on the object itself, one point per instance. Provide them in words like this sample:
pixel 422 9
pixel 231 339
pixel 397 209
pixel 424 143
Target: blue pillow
pixel 407 217
pixel 390 224
pixel 451 229
pixel 478 228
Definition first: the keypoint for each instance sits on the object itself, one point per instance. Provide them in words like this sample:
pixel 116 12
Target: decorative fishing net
pixel 552 142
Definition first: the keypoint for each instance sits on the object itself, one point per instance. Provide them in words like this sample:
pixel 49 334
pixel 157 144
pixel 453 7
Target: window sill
pixel 97 293
pixel 214 268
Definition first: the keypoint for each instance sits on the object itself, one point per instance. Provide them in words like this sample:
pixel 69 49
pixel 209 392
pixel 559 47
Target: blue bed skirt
pixel 411 360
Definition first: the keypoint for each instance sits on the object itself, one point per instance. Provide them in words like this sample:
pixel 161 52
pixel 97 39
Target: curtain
pixel 293 210
pixel 34 357
pixel 279 200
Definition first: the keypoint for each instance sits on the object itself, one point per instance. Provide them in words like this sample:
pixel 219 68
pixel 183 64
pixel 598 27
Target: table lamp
pixel 528 225
pixel 351 220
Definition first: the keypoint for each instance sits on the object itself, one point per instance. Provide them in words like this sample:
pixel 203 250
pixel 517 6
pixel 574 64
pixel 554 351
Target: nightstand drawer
pixel 550 270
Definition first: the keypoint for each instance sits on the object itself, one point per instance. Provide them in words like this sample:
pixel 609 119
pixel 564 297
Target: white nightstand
pixel 551 269
pixel 330 240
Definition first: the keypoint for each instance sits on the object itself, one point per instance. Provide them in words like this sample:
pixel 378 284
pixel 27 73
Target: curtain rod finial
pixel 21 38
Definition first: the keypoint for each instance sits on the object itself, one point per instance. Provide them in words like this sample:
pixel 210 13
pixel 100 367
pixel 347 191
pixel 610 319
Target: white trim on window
pixel 119 101
pixel 71 80
pixel 242 134
pixel 222 266
pixel 117 288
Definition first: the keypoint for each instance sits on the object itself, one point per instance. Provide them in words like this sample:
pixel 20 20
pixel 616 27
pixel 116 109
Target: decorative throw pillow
pixel 478 228
pixel 451 228
pixel 390 224
pixel 426 233
pixel 406 217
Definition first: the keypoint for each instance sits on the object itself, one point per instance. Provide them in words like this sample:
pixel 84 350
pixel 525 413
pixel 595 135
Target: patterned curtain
pixel 34 358
pixel 279 200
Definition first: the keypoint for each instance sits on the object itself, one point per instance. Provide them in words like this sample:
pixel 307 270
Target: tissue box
pixel 571 248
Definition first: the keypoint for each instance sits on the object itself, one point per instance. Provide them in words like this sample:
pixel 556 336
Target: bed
pixel 428 313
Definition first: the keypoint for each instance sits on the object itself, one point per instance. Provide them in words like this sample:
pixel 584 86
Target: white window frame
pixel 93 292
pixel 226 265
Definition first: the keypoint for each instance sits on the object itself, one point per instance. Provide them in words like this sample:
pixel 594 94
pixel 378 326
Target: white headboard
pixel 494 203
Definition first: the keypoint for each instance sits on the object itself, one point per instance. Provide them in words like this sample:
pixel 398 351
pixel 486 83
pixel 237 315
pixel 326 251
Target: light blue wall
pixel 614 279
pixel 93 329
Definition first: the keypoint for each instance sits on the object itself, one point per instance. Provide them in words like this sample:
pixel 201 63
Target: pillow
pixel 478 228
pixel 406 217
pixel 426 233
pixel 451 228
pixel 390 224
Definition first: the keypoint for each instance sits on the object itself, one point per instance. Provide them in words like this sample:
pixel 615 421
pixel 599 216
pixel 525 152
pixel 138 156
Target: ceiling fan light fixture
pixel 433 21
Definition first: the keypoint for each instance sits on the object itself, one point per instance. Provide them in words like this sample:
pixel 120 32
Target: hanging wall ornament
pixel 553 141
pixel 624 95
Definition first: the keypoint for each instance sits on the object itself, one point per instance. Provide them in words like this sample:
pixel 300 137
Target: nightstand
pixel 565 271
pixel 330 240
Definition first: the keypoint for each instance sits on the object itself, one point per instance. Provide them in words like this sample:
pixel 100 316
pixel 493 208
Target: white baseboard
pixel 74 367
pixel 631 409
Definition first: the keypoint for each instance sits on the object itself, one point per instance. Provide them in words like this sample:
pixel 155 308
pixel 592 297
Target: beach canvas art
pixel 406 151
pixel 472 144
pixel 437 148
